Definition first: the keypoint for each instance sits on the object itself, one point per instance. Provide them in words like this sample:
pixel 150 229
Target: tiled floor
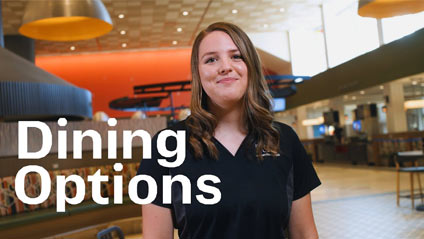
pixel 360 202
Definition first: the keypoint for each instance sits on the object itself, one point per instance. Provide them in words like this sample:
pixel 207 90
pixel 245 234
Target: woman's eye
pixel 237 57
pixel 210 60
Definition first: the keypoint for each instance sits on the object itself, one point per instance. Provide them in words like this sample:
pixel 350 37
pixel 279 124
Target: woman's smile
pixel 226 80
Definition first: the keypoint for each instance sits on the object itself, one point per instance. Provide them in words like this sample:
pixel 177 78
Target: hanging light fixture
pixel 65 20
pixel 389 8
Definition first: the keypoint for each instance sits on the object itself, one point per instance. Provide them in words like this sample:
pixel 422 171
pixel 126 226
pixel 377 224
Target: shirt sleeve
pixel 152 168
pixel 305 178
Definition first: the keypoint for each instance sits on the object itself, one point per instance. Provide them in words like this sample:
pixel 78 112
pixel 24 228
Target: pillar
pixel 301 114
pixel 337 104
pixel 396 115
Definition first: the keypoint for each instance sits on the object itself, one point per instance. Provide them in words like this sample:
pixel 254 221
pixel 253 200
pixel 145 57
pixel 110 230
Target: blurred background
pixel 347 75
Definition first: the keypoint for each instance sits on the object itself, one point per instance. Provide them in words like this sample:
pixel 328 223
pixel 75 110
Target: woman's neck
pixel 229 119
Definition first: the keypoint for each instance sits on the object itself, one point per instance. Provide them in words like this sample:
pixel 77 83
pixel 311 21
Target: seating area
pixel 19 220
pixel 13 206
pixel 408 162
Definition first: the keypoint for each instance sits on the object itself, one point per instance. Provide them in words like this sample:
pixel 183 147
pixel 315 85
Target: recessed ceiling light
pixel 298 80
pixel 179 29
pixel 123 32
pixel 124 45
pixel 381 87
pixel 174 42
pixel 414 82
pixel 234 11
pixel 282 9
pixel 72 48
pixel 353 97
pixel 265 25
pixel 185 13
pixel 362 92
pixel 121 16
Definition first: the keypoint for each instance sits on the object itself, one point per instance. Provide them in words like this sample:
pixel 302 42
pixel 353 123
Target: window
pixel 308 52
pixel 348 34
pixel 395 28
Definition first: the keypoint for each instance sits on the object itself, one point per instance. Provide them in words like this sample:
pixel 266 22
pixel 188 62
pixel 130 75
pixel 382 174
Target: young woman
pixel 265 175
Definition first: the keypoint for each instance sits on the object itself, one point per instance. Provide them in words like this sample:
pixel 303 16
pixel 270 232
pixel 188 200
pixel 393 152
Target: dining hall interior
pixel 346 75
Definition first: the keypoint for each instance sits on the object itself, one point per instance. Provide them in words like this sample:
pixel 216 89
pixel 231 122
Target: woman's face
pixel 223 73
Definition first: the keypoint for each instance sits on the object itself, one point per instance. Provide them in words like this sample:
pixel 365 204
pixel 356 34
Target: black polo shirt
pixel 256 196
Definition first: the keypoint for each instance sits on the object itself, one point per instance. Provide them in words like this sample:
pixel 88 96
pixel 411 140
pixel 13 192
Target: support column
pixel 289 49
pixel 301 130
pixel 324 31
pixel 336 104
pixel 380 32
pixel 396 115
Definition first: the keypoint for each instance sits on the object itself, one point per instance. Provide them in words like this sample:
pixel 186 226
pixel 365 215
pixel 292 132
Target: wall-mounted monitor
pixel 321 129
pixel 359 113
pixel 365 111
pixel 278 104
pixel 357 125
pixel 331 117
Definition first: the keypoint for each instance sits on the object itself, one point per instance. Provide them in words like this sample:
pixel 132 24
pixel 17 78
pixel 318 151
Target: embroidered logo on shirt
pixel 266 153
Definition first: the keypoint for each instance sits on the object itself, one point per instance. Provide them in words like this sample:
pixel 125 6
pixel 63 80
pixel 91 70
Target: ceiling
pixel 154 23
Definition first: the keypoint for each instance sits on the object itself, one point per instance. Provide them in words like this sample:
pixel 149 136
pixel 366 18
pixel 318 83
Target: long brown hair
pixel 256 101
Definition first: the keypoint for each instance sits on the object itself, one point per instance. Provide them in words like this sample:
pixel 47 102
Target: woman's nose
pixel 225 67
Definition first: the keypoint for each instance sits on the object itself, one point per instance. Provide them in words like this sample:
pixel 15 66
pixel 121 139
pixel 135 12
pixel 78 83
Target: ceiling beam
pixel 389 62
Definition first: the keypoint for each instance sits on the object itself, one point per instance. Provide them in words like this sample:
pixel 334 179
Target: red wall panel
pixel 112 75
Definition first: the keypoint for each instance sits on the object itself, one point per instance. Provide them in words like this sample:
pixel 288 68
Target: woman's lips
pixel 227 80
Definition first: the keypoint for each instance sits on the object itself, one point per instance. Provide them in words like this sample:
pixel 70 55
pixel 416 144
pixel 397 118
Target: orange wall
pixel 112 75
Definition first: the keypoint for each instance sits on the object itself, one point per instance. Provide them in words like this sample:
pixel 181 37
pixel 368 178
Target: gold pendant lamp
pixel 65 20
pixel 389 8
